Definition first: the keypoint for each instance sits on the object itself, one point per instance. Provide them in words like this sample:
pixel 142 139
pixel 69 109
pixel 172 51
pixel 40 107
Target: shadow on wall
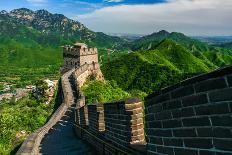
pixel 192 117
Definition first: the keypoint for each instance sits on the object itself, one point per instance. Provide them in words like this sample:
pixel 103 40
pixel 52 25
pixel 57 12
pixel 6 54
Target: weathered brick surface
pixel 124 122
pixel 193 117
pixel 83 111
pixel 229 79
pixel 221 95
pixel 183 91
pixel 96 118
pixel 210 84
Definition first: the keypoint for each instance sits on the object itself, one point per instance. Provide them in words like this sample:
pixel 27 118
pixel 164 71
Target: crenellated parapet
pixel 88 51
pixel 74 51
pixel 77 55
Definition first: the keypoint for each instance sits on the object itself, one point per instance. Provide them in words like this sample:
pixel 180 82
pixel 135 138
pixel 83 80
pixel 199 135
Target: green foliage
pixel 30 51
pixel 151 70
pixel 1 86
pixel 226 45
pixel 22 65
pixel 103 91
pixel 151 41
pixel 23 115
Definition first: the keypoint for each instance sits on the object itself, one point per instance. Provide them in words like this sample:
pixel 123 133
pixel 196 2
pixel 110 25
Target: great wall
pixel 193 117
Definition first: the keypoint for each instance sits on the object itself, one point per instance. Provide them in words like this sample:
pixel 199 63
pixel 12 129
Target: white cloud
pixel 194 17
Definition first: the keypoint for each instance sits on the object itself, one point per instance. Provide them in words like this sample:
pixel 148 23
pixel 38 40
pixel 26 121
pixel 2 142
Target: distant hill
pixel 226 45
pixel 214 40
pixel 151 41
pixel 162 65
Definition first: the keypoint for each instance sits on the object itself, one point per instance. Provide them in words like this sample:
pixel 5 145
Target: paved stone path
pixel 61 139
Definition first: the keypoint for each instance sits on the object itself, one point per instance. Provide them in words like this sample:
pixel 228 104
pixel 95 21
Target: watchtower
pixel 77 55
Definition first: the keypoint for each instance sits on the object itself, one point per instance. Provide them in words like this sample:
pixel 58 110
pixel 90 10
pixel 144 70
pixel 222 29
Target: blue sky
pixel 192 17
pixel 69 7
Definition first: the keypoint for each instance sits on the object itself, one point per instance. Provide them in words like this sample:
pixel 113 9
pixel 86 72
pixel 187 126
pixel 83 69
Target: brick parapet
pixel 193 117
pixel 124 122
pixel 96 118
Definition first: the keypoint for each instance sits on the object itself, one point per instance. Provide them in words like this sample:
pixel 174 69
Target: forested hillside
pixel 31 44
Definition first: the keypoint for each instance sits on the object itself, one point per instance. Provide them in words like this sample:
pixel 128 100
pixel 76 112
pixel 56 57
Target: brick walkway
pixel 61 139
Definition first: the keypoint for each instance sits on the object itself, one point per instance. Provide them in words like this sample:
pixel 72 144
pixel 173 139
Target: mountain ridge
pixel 58 25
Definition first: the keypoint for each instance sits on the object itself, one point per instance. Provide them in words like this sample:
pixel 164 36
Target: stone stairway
pixel 61 139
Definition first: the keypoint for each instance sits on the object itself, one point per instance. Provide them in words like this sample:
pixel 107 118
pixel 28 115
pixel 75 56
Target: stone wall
pixel 108 130
pixel 96 118
pixel 193 117
pixel 124 122
pixel 114 128
pixel 32 143
pixel 82 73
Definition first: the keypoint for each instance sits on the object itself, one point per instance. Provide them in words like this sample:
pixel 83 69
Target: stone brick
pixel 209 109
pixel 165 150
pixel 187 112
pixel 155 108
pixel 163 115
pixel 223 153
pixel 151 147
pixel 134 101
pixel 172 123
pixel 137 138
pixel 204 152
pixel 223 144
pixel 133 106
pixel 211 84
pixel 173 142
pixel 184 91
pixel 156 140
pixel 185 132
pixel 194 100
pixel 161 98
pixel 135 121
pixel 150 117
pixel 171 105
pixel 162 133
pixel 184 112
pixel 221 132
pixel 198 143
pixel 198 121
pixel 205 132
pixel 137 127
pixel 229 79
pixel 182 151
pixel 221 95
pixel 225 120
pixel 155 124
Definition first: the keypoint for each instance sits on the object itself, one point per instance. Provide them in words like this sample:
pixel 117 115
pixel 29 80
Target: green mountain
pixel 151 41
pixel 167 63
pixel 53 29
pixel 30 43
